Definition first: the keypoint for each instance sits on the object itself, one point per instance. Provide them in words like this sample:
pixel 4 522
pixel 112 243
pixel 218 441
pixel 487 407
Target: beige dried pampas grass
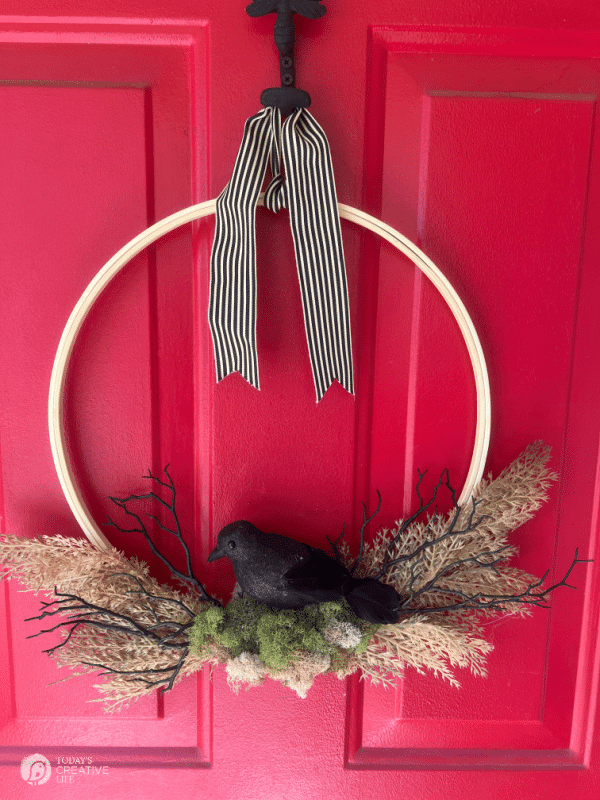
pixel 468 557
pixel 119 598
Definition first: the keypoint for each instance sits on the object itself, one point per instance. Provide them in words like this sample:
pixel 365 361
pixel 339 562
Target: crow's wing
pixel 316 573
pixel 317 578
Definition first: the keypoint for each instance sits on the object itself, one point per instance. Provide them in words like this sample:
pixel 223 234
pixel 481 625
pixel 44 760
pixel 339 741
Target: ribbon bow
pixel 308 192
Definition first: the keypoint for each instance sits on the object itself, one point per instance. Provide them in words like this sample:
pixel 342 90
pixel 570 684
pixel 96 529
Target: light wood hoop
pixel 150 235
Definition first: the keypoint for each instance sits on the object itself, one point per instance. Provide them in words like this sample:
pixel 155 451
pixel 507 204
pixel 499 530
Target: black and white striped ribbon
pixel 306 187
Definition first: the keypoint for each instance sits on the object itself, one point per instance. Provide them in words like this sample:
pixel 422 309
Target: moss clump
pixel 233 627
pixel 280 634
pixel 337 610
pixel 275 636
pixel 368 631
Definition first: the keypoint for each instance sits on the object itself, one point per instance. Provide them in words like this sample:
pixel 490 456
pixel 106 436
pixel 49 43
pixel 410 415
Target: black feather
pixel 374 601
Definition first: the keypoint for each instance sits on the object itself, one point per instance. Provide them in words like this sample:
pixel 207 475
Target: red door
pixel 473 132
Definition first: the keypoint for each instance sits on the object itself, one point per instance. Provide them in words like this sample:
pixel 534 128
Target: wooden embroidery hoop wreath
pixel 196 212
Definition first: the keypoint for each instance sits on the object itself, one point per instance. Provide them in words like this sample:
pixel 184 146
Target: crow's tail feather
pixel 373 601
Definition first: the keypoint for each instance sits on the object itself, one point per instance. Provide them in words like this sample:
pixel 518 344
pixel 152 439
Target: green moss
pixel 339 660
pixel 313 639
pixel 274 635
pixel 283 633
pixel 206 628
pixel 367 631
pixel 277 637
pixel 338 610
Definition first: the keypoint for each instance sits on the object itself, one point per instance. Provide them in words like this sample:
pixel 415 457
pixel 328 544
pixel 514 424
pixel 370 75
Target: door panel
pixel 454 110
pixel 95 151
pixel 476 142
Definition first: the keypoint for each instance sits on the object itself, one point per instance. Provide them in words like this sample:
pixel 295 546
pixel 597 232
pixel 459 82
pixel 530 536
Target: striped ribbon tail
pixel 315 221
pixel 232 302
pixel 306 187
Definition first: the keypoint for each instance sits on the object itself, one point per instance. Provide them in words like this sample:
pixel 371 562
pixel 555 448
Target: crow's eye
pixel 231 545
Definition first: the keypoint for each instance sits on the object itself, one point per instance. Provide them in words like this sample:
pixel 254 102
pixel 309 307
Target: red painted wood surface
pixel 473 132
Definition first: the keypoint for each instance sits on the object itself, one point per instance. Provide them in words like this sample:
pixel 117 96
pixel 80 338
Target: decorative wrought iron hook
pixel 287 97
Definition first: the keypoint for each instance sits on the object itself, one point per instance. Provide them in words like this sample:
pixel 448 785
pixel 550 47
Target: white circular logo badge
pixel 35 769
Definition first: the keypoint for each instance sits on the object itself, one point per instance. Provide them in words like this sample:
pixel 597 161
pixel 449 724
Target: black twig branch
pixel 160 598
pixel 470 527
pixel 444 480
pixel 366 521
pixel 172 671
pixel 528 597
pixel 81 612
pixel 50 651
pixel 168 635
pixel 122 502
pixel 533 595
pixel 334 544
pixel 162 622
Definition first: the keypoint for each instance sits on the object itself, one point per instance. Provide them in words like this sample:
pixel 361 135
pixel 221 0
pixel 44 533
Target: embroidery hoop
pixel 206 209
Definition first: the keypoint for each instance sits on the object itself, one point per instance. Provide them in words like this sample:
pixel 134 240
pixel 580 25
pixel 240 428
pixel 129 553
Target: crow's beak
pixel 216 553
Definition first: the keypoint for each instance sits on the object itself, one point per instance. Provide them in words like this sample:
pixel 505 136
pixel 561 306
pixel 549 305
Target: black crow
pixel 284 573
